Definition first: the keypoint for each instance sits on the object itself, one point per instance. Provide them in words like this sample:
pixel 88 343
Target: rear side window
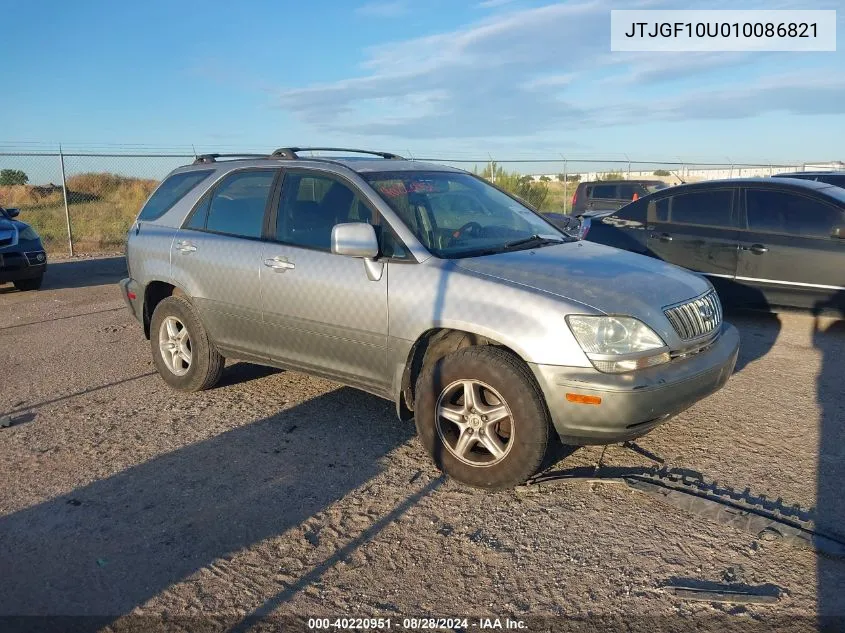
pixel 626 192
pixel 170 192
pixel 237 205
pixel 704 208
pixel 789 213
pixel 604 192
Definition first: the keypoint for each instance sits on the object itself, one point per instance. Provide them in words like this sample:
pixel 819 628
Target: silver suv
pixel 428 286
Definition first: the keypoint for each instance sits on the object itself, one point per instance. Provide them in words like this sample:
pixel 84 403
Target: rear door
pixel 695 229
pixel 787 248
pixel 216 258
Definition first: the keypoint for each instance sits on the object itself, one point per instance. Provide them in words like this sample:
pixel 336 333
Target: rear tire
pixel 183 354
pixel 482 417
pixel 25 285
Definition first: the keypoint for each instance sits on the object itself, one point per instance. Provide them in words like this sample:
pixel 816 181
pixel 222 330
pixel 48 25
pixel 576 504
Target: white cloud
pixel 532 72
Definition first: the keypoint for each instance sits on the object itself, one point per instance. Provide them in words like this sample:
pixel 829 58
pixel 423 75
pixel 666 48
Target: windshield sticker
pixel 396 189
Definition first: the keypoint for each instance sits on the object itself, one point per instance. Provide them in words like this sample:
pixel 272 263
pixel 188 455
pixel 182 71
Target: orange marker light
pixel 580 398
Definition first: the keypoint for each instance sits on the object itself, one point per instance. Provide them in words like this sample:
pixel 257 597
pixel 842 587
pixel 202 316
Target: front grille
pixel 696 318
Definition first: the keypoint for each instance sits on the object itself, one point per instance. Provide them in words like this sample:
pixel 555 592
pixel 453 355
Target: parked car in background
pixel 610 195
pixel 430 287
pixel 836 178
pixel 762 241
pixel 23 260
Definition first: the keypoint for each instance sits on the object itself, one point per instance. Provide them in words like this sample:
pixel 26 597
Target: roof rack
pixel 291 152
pixel 211 158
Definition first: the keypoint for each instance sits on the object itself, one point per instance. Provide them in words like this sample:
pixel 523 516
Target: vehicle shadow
pixel 81 273
pixel 748 310
pixel 829 340
pixel 107 547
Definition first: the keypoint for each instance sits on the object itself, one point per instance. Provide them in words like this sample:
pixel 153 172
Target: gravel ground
pixel 277 495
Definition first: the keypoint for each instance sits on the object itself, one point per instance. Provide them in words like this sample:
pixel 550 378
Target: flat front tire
pixel 183 354
pixel 482 417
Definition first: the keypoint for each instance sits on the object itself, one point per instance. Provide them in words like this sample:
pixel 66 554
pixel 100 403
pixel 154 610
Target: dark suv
pixel 609 195
pixel 22 256
pixel 836 178
pixel 761 241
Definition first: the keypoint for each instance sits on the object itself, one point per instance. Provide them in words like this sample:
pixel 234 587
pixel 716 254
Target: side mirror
pixel 13 213
pixel 354 239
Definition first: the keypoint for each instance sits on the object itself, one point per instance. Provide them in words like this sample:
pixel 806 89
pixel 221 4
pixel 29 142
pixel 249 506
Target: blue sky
pixel 440 78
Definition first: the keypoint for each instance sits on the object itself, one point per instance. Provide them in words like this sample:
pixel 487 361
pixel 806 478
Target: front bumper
pixel 17 265
pixel 133 296
pixel 633 403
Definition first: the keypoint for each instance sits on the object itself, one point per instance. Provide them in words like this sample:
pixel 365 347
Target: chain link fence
pixel 86 202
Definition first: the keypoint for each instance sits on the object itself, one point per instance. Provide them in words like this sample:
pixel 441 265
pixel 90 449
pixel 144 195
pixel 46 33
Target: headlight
pixel 616 344
pixel 27 234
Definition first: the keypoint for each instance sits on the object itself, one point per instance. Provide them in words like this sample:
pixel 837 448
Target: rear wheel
pixel 182 352
pixel 29 284
pixel 482 417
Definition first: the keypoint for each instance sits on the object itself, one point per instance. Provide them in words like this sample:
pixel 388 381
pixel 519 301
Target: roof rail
pixel 212 158
pixel 291 152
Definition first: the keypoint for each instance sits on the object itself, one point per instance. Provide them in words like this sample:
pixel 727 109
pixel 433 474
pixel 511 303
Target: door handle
pixel 279 265
pixel 663 237
pixel 185 247
pixel 757 249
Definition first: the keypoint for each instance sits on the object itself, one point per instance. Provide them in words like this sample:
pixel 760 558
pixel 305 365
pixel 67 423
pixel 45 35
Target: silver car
pixel 424 284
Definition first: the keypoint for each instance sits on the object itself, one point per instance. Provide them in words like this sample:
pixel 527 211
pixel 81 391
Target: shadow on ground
pixel 107 547
pixel 81 273
pixel 829 340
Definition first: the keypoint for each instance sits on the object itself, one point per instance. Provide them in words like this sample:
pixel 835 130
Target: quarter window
pixel 704 208
pixel 170 192
pixel 783 212
pixel 237 204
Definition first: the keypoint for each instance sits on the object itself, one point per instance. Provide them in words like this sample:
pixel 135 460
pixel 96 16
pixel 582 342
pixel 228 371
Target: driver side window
pixel 311 205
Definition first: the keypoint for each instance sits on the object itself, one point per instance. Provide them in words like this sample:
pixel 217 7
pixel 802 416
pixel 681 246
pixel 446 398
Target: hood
pixel 605 278
pixel 8 231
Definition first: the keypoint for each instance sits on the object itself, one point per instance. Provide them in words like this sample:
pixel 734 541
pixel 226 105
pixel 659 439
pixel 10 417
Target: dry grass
pixel 102 207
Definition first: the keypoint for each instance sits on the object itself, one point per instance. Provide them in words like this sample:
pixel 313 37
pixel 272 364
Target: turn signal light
pixel 580 398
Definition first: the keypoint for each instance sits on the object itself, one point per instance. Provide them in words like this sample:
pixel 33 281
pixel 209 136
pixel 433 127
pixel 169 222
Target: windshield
pixel 459 215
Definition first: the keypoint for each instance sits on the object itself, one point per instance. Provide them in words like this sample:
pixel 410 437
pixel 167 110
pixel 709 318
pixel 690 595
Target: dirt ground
pixel 276 496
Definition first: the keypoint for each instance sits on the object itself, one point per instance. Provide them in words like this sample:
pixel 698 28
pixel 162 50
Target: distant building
pixel 831 165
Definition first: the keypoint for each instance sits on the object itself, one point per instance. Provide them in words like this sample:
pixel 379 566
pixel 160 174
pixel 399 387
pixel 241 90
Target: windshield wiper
pixel 533 240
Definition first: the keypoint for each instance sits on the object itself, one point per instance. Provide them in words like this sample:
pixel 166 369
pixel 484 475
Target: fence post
pixel 565 178
pixel 64 194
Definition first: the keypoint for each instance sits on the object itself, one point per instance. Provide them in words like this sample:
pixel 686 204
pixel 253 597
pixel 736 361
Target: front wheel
pixel 29 284
pixel 182 352
pixel 482 417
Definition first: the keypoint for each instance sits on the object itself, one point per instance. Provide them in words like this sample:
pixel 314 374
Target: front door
pixel 323 312
pixel 787 249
